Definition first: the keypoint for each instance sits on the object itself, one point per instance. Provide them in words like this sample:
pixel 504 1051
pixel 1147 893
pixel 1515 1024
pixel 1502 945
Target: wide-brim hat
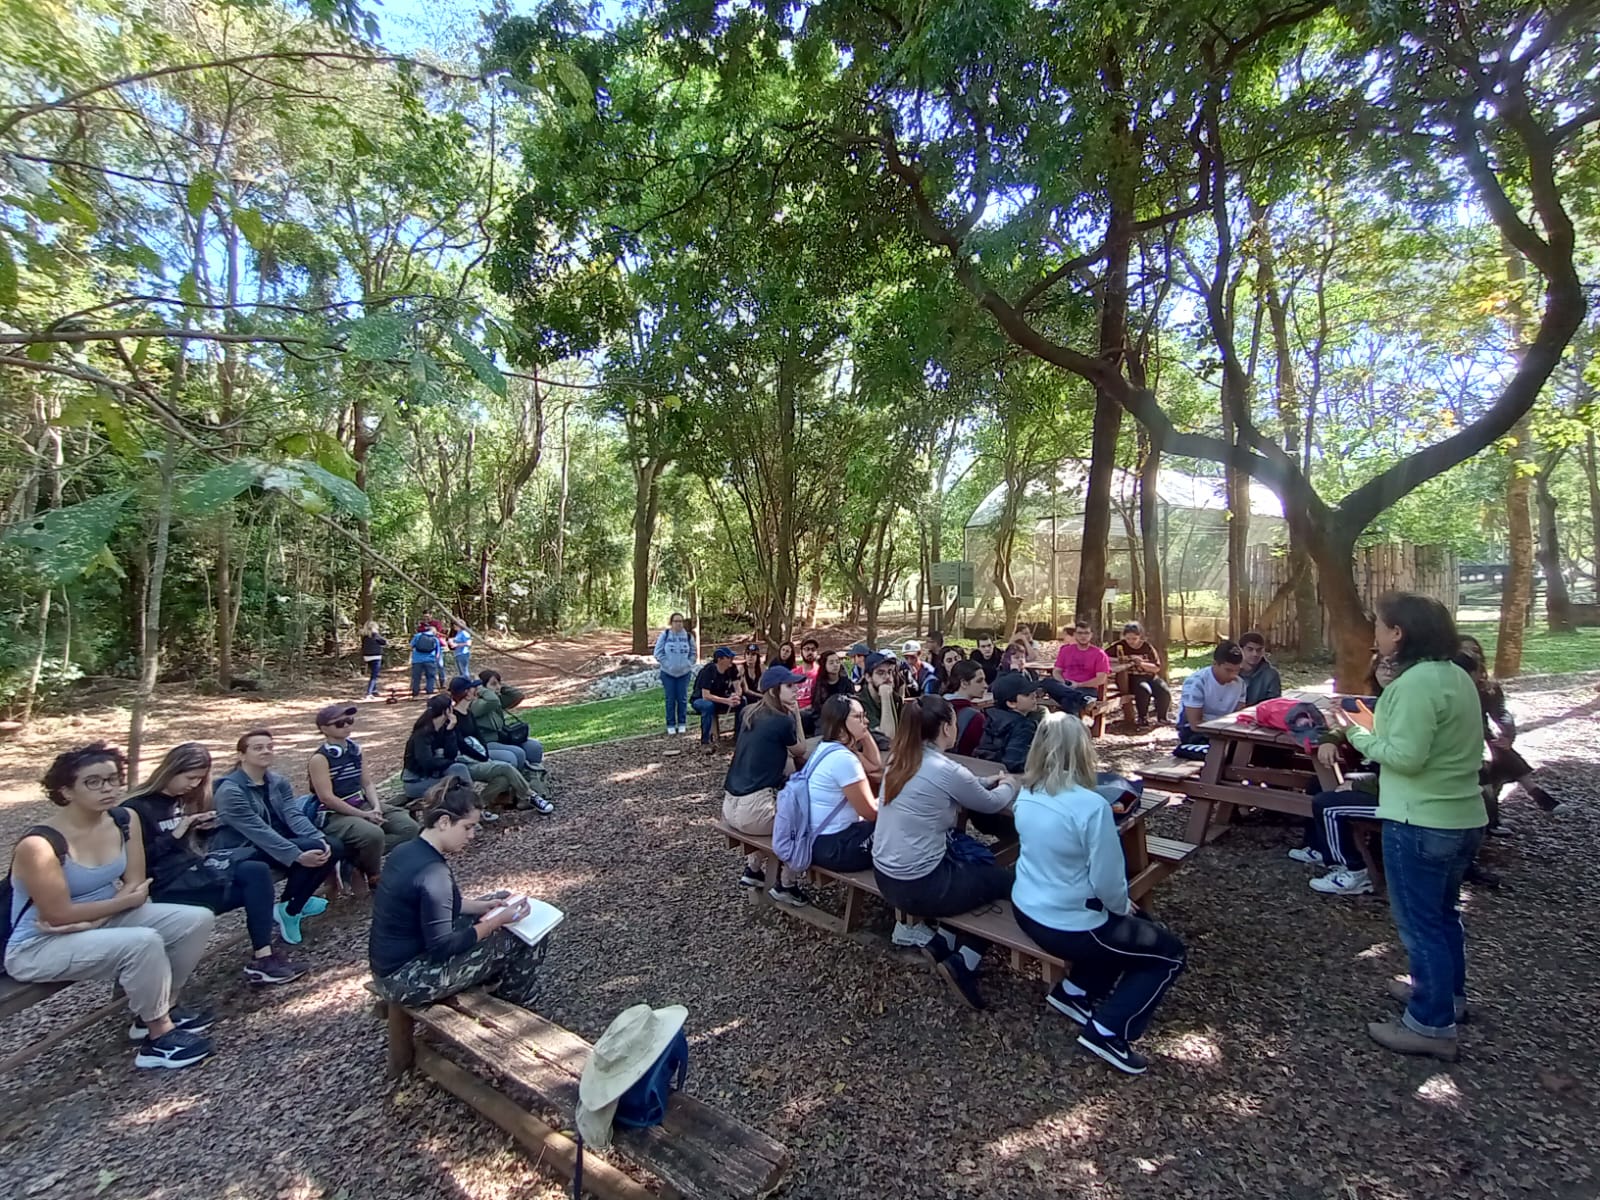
pixel 626 1051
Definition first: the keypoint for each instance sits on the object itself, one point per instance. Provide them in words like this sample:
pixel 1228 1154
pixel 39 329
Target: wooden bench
pixel 698 1152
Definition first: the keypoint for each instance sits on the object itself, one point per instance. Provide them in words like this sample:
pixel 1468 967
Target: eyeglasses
pixel 99 783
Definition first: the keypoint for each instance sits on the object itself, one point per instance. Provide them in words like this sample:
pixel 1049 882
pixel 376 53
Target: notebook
pixel 537 925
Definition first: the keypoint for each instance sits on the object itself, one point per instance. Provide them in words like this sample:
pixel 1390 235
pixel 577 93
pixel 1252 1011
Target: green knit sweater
pixel 1428 737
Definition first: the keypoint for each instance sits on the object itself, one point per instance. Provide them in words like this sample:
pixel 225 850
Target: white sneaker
pixel 1343 883
pixel 913 936
pixel 1305 854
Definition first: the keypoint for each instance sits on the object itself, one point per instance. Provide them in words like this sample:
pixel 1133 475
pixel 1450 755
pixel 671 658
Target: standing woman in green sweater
pixel 1427 734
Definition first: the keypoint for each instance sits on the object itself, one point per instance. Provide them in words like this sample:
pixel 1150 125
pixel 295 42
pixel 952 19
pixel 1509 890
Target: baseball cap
pixel 911 648
pixel 776 676
pixel 462 684
pixel 1013 684
pixel 874 661
pixel 722 652
pixel 329 713
pixel 860 648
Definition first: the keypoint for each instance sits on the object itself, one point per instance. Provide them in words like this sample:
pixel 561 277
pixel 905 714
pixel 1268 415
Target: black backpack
pixel 59 845
pixel 425 643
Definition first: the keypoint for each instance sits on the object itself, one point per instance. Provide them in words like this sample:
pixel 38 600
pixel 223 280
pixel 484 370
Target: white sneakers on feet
pixel 912 936
pixel 1343 883
pixel 1305 854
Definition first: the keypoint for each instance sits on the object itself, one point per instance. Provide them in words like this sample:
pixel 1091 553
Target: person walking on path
pixel 372 647
pixel 461 647
pixel 675 654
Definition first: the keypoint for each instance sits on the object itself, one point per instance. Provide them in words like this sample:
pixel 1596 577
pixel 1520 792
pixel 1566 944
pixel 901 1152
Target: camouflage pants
pixel 502 957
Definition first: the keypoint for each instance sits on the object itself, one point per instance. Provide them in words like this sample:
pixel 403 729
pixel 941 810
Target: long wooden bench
pixel 697 1153
pixel 997 922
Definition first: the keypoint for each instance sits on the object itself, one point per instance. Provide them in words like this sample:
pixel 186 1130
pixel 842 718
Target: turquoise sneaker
pixel 314 907
pixel 288 927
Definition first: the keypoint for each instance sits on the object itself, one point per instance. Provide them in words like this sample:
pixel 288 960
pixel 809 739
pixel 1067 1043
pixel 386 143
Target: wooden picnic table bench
pixel 1149 861
pixel 697 1153
pixel 1247 766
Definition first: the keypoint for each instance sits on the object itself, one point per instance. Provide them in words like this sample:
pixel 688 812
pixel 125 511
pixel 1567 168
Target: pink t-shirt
pixel 802 690
pixel 1079 664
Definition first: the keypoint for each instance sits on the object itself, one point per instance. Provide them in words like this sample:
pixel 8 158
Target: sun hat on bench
pixel 625 1053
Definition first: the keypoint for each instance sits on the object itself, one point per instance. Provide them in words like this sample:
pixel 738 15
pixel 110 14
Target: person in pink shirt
pixel 1082 665
pixel 807 667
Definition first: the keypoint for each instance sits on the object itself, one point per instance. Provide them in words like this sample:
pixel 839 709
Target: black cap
pixel 1012 684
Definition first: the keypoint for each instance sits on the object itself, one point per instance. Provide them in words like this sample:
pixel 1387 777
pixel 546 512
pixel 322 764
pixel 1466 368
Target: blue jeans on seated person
pixel 424 672
pixel 1068 699
pixel 676 688
pixel 418 788
pixel 708 716
pixel 1424 869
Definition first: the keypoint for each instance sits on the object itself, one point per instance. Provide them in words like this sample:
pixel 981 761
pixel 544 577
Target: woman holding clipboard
pixel 426 941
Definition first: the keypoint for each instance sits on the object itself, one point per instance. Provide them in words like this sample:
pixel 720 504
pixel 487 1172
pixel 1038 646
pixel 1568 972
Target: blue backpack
pixel 645 1103
pixel 791 822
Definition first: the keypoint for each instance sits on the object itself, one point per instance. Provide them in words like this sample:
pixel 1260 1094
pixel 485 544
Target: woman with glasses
pixel 80 909
pixel 350 808
pixel 845 773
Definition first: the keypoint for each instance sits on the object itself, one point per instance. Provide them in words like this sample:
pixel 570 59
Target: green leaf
pixel 321 447
pixel 100 407
pixel 376 337
pixel 64 542
pixel 142 255
pixel 361 144
pixel 346 496
pixel 105 561
pixel 201 190
pixel 189 289
pixel 41 351
pixel 77 206
pixel 8 275
pixel 574 80
pixel 419 367
pixel 488 374
pixel 253 225
pixel 216 487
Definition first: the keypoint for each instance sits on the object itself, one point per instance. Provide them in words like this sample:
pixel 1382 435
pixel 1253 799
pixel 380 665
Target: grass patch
pixel 563 726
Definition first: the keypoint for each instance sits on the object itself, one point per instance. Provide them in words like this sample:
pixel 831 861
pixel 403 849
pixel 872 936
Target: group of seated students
pixel 127 888
pixel 1070 886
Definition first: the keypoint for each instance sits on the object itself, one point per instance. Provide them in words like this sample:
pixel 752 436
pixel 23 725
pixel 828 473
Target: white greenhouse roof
pixel 1177 489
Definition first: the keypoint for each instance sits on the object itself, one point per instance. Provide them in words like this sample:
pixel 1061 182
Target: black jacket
pixel 372 645
pixel 430 751
pixel 165 857
pixel 1007 736
pixel 822 691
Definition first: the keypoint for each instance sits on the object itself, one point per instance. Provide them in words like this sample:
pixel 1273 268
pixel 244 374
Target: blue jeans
pixel 1424 869
pixel 374 669
pixel 708 716
pixel 677 689
pixel 424 672
pixel 463 662
pixel 529 754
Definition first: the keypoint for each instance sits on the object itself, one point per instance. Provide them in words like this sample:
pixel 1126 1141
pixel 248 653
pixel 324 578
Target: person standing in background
pixel 372 646
pixel 461 647
pixel 675 654
pixel 425 650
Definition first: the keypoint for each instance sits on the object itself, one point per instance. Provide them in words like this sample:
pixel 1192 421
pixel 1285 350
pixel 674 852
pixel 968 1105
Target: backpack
pixel 59 845
pixel 645 1103
pixel 792 833
pixel 425 643
pixel 1298 717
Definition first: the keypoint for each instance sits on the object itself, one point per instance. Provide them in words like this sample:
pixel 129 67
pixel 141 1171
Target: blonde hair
pixel 369 628
pixel 1061 757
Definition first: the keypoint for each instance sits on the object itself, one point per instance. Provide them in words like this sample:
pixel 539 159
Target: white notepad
pixel 536 926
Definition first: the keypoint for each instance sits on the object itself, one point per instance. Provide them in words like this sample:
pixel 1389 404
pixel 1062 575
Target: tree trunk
pixel 225 605
pixel 1591 471
pixel 1347 616
pixel 361 447
pixel 646 503
pixel 37 671
pixel 150 661
pixel 1557 603
pixel 1237 488
pixel 1155 594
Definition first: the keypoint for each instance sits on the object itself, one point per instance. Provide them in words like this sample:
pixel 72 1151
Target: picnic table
pixel 1251 767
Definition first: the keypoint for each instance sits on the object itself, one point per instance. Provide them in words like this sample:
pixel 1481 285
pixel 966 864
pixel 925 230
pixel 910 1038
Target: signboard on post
pixel 963 576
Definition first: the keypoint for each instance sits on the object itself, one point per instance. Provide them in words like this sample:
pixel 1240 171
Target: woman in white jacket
pixel 1071 896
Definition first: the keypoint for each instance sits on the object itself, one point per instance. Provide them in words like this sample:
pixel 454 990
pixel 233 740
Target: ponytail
pixel 450 797
pixel 920 722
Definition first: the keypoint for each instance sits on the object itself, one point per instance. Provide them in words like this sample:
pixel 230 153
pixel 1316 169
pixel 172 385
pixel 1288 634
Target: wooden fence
pixel 1429 570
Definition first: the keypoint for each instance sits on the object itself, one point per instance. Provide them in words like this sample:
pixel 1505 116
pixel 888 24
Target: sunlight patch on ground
pixel 1440 1089
pixel 158 1111
pixel 1199 1049
pixel 1080 1122
pixel 635 775
pixel 1376 950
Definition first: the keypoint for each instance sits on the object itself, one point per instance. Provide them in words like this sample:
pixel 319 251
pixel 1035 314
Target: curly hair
pixel 66 768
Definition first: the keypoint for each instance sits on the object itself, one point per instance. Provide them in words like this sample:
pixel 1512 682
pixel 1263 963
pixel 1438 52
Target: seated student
pixel 492 707
pixel 80 909
pixel 770 738
pixel 716 690
pixel 1137 665
pixel 987 657
pixel 426 942
pixel 785 656
pixel 840 787
pixel 947 660
pixel 1210 693
pixel 859 653
pixel 352 811
pixel 1329 838
pixel 489 763
pixel 1008 726
pixel 917 871
pixel 1016 657
pixel 921 679
pixel 880 697
pixel 258 811
pixel 807 666
pixel 1261 678
pixel 967 686
pixel 432 749
pixel 1505 765
pixel 832 680
pixel 1071 896
pixel 174 808
pixel 1082 666
pixel 750 671
pixel 425 650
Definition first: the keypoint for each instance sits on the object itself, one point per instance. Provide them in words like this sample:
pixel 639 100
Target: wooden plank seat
pixel 698 1152
pixel 16 996
pixel 1180 774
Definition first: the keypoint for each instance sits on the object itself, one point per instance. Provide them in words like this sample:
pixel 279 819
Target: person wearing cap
pixel 879 696
pixel 916 869
pixel 492 706
pixel 368 828
pixel 1137 664
pixel 426 942
pixel 716 689
pixel 1082 666
pixel 1211 693
pixel 859 653
pixel 769 738
pixel 1009 726
pixel 807 666
pixel 988 657
pixel 675 654
pixel 921 679
pixel 493 764
pixel 966 686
